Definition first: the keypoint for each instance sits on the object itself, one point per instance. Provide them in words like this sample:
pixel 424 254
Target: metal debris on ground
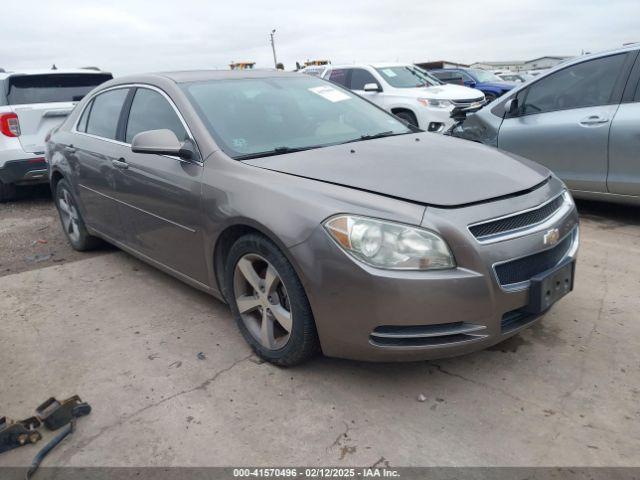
pixel 422 398
pixel 54 415
pixel 17 434
pixel 201 356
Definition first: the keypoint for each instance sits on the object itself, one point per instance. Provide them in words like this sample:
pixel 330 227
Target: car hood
pixel 426 168
pixel 449 92
pixel 500 85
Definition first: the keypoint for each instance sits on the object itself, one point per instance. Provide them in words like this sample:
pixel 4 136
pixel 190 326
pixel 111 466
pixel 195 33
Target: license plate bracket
pixel 549 287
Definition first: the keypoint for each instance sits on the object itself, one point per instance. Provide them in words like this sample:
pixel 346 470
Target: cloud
pixel 128 36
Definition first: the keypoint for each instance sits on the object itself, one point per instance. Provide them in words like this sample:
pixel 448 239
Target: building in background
pixel 437 64
pixel 241 65
pixel 539 63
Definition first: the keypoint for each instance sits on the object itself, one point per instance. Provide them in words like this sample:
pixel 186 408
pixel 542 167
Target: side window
pixel 82 124
pixel 465 76
pixel 586 84
pixel 105 113
pixel 151 111
pixel 360 77
pixel 339 76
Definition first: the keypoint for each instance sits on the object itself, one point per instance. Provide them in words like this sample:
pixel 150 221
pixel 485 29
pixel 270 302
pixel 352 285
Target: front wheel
pixel 408 117
pixel 269 303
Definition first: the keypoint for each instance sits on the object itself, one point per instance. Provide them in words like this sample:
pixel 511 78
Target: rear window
pixel 50 88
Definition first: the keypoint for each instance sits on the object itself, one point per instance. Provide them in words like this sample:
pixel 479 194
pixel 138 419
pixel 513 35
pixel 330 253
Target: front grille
pixel 466 102
pixel 523 269
pixel 426 335
pixel 518 221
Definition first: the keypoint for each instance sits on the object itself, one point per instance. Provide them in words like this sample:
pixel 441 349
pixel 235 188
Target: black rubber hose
pixel 37 460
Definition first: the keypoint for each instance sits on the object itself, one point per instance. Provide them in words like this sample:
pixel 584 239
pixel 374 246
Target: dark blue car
pixel 491 85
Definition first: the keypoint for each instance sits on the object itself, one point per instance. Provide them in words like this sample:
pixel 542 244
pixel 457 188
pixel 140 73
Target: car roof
pixel 87 71
pixel 203 75
pixel 373 65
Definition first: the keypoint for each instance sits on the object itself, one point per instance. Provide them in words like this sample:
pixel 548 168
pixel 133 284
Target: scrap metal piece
pixel 16 434
pixel 55 414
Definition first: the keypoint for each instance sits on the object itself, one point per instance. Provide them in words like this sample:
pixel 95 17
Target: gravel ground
pixel 30 234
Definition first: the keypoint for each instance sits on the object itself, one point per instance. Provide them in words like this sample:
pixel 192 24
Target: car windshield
pixel 254 117
pixel 484 76
pixel 50 88
pixel 407 77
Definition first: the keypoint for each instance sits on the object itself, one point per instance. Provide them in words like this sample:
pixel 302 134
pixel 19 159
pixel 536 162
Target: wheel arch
pixel 230 234
pixel 56 176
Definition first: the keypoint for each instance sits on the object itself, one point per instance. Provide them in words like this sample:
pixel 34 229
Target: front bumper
pixel 431 117
pixel 370 314
pixel 25 171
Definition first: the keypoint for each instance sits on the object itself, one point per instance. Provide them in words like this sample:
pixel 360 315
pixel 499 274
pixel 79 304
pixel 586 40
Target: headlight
pixel 390 245
pixel 430 102
pixel 568 198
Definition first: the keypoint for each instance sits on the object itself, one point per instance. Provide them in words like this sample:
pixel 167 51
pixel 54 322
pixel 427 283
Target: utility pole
pixel 273 47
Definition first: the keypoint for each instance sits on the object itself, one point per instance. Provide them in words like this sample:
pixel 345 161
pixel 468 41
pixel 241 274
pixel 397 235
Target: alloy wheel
pixel 262 301
pixel 69 215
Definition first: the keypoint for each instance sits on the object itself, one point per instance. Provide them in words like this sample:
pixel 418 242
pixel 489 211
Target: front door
pixel 160 195
pixel 563 121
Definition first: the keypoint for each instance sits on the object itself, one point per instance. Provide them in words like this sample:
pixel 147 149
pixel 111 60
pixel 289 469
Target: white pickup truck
pixel 31 104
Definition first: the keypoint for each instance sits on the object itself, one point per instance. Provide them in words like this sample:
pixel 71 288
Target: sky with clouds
pixel 130 36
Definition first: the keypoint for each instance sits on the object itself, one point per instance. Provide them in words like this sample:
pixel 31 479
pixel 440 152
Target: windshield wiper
pixel 275 151
pixel 390 133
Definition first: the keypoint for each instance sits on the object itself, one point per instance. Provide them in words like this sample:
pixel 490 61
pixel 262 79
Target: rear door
pixel 563 120
pixel 161 194
pixel 96 153
pixel 43 101
pixel 624 141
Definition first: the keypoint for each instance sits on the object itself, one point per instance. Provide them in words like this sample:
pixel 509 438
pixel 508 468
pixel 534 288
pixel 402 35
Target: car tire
pixel 7 191
pixel 408 117
pixel 260 281
pixel 71 220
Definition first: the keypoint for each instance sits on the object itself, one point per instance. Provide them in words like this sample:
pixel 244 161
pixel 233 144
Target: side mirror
pixel 372 87
pixel 162 142
pixel 511 107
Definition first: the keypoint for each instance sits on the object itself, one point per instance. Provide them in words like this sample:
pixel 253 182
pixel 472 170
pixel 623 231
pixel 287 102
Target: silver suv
pixel 31 104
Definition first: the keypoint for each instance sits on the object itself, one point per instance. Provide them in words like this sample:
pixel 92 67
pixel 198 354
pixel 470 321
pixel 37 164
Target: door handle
pixel 70 149
pixel 120 163
pixel 593 120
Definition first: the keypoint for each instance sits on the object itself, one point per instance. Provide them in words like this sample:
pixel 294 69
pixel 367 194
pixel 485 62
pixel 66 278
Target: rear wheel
pixel 408 117
pixel 269 303
pixel 7 191
pixel 72 223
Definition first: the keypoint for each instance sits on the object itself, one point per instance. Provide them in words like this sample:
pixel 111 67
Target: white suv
pixel 406 91
pixel 31 104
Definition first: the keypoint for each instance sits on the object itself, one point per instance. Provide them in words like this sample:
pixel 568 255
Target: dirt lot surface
pixel 173 383
pixel 30 233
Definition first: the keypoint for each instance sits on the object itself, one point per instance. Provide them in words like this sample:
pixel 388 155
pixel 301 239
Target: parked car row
pixel 580 119
pixel 31 104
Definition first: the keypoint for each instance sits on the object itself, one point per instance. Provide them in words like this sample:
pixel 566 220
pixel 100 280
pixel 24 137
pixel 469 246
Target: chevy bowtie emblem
pixel 551 237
